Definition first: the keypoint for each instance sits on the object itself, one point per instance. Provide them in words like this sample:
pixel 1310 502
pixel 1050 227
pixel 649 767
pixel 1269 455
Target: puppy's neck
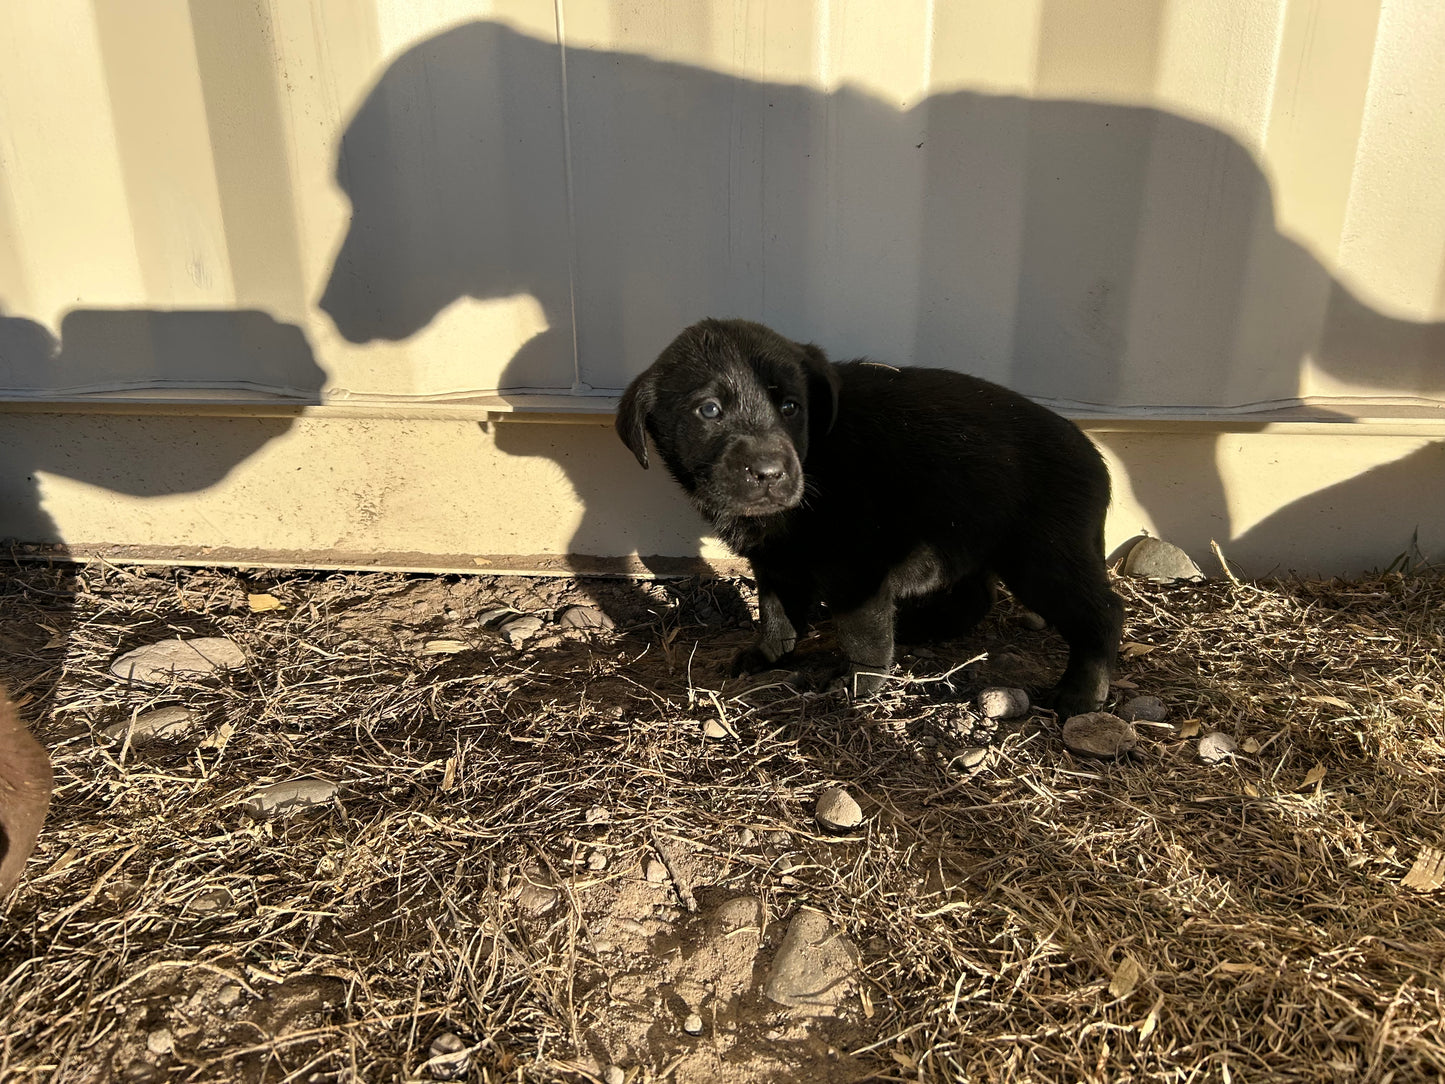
pixel 745 535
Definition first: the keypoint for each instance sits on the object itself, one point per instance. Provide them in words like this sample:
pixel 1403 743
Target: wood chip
pixel 1428 872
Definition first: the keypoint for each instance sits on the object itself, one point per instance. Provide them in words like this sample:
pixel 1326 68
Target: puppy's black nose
pixel 765 472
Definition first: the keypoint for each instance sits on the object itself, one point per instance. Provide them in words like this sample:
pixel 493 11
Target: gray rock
pixel 971 757
pixel 596 861
pixel 450 1057
pixel 288 796
pixel 160 1042
pixel 1160 561
pixel 598 814
pixel 655 871
pixel 746 837
pixel 163 662
pixel 537 899
pixel 1032 621
pixel 1099 734
pixel 717 729
pixel 584 617
pixel 1144 709
pixel 1216 747
pixel 837 810
pixel 521 629
pixel 614 1074
pixel 814 967
pixel 738 913
pixel 693 1024
pixel 1001 703
pixel 163 724
pixel 210 900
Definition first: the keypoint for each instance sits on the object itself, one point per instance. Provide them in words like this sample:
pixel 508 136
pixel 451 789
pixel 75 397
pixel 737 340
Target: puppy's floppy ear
pixel 632 413
pixel 823 385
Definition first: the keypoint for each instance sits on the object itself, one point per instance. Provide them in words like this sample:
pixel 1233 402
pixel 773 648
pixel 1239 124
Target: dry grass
pixel 1045 919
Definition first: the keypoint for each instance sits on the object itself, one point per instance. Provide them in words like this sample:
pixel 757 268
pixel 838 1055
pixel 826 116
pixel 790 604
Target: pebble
pixel 598 814
pixel 210 900
pixel 738 913
pixel 655 871
pixel 615 1074
pixel 228 995
pixel 169 659
pixel 970 757
pixel 537 899
pixel 160 1042
pixel 837 810
pixel 520 629
pixel 1099 734
pixel 813 965
pixel 1030 620
pixel 1161 562
pixel 716 728
pixel 1217 747
pixel 693 1024
pixel 449 1057
pixel 746 837
pixel 596 861
pixel 163 724
pixel 584 617
pixel 288 796
pixel 1001 703
pixel 1145 709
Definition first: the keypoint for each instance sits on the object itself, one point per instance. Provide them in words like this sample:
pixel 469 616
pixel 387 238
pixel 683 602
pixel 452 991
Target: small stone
pixel 584 617
pixel 596 861
pixel 163 724
pixel 614 1074
pixel 970 757
pixel 169 659
pixel 1216 747
pixel 1002 703
pixel 738 913
pixel 746 837
pixel 228 996
pixel 210 900
pixel 1032 621
pixel 716 728
pixel 537 899
pixel 655 871
pixel 814 965
pixel 450 1057
pixel 1161 562
pixel 1099 734
pixel 598 814
pixel 693 1024
pixel 161 1042
pixel 779 838
pixel 1144 709
pixel 837 810
pixel 520 629
pixel 288 796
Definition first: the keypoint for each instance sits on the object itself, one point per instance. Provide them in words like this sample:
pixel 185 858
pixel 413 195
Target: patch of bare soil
pixel 562 851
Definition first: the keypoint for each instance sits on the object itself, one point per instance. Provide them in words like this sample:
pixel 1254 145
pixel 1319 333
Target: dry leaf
pixel 261 603
pixel 1132 648
pixel 1189 728
pixel 1249 745
pixel 903 1059
pixel 219 739
pixel 444 647
pixel 1428 872
pixel 1151 1021
pixel 1251 790
pixel 449 778
pixel 1333 701
pixel 1238 969
pixel 1126 977
pixel 1316 774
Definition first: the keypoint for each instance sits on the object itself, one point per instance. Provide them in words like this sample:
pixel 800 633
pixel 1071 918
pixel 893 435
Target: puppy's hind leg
pixel 1072 592
pixel 865 633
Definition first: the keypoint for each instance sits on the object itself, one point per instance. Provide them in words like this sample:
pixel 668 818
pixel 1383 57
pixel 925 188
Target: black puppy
pixel 880 492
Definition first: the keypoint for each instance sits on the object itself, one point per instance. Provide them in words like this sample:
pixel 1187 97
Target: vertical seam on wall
pixel 571 203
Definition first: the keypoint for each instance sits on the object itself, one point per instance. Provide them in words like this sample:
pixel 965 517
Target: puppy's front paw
pixel 758 658
pixel 863 681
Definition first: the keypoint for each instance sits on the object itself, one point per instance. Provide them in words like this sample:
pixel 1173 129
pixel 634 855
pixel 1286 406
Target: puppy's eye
pixel 788 407
pixel 710 409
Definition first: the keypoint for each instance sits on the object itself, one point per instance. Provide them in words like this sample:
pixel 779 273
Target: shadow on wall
pixel 135 454
pixel 1075 251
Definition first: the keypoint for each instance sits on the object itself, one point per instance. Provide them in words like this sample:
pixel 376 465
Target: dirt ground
pixel 559 853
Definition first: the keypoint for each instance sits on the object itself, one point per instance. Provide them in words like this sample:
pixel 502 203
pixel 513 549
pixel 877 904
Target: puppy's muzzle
pixel 761 477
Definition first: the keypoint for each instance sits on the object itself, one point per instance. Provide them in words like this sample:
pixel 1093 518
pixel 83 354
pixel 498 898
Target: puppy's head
pixel 731 406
